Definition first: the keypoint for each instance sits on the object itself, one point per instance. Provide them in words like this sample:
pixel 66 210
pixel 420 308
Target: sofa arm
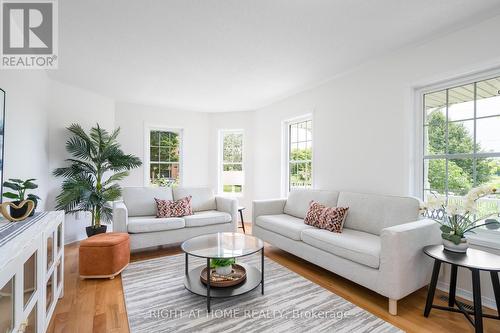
pixel 404 267
pixel 228 205
pixel 120 217
pixel 267 207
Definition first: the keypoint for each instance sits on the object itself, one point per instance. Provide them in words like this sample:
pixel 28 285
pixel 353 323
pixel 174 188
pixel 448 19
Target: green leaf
pixel 11 195
pixel 116 177
pixel 12 186
pixel 214 263
pixel 33 197
pixel 16 180
pixel 452 238
pixel 445 229
pixel 30 185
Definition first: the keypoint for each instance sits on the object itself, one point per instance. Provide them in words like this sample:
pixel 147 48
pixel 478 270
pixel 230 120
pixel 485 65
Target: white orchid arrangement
pixel 458 219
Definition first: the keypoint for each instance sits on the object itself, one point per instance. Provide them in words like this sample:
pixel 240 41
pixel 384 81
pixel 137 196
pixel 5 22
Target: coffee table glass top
pixel 222 245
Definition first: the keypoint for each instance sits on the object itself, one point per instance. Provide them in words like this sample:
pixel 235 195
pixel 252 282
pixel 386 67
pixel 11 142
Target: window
pixel 299 154
pixel 164 157
pixel 232 176
pixel 462 141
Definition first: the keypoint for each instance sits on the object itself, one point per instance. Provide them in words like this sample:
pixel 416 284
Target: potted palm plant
pixel 18 194
pixel 90 178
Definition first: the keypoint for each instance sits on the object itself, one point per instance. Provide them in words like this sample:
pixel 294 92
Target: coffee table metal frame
pixel 192 281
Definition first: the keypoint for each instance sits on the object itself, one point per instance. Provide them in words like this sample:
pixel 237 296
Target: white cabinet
pixel 32 275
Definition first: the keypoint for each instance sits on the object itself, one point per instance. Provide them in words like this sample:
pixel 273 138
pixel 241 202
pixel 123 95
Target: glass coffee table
pixel 222 245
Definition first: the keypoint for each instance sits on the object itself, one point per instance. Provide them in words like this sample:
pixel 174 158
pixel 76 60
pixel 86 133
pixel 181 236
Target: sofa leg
pixel 393 307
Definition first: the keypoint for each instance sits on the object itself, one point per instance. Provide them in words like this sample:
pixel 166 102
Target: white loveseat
pixel 380 246
pixel 136 215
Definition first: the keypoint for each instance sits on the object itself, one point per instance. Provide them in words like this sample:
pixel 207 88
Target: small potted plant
pixel 18 194
pixel 457 219
pixel 223 266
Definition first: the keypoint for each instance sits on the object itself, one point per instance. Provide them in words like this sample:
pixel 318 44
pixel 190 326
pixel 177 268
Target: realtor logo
pixel 29 34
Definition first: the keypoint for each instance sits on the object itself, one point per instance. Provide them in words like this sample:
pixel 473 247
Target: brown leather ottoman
pixel 104 255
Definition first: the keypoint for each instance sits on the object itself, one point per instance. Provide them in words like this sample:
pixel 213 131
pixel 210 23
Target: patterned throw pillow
pixel 173 208
pixel 329 218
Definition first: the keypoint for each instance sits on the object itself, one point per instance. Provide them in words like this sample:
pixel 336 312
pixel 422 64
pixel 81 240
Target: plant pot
pixel 91 231
pixel 459 248
pixel 225 270
pixel 18 212
pixel 34 208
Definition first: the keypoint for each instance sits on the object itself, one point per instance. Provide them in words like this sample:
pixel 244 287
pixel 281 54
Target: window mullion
pixel 474 159
pixel 446 149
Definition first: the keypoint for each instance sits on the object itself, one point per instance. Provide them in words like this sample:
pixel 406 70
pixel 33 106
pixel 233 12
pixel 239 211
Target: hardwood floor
pixel 98 305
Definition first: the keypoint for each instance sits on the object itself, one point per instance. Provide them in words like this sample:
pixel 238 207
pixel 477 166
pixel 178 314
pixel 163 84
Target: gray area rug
pixel 157 301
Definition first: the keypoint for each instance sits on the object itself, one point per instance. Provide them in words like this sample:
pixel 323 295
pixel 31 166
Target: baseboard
pixel 465 294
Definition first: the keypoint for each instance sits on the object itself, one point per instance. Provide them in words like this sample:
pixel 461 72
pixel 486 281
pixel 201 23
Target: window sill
pixel 485 238
pixel 231 195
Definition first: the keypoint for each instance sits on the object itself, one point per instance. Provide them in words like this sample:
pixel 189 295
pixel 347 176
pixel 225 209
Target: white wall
pixel 132 119
pixel 26 133
pixel 363 120
pixel 67 105
pixel 230 121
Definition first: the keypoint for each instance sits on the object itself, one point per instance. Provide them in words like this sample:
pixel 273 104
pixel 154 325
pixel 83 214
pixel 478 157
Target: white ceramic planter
pixel 226 270
pixel 460 248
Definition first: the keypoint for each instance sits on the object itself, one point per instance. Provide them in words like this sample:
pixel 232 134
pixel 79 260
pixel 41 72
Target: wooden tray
pixel 237 276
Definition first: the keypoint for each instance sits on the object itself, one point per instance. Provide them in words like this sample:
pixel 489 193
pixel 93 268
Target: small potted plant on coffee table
pixel 223 266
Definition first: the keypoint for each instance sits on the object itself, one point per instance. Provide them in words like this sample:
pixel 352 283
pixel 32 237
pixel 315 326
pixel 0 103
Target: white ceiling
pixel 231 55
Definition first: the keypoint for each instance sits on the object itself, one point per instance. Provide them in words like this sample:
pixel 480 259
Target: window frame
pixel 220 162
pixel 482 237
pixel 147 145
pixel 286 150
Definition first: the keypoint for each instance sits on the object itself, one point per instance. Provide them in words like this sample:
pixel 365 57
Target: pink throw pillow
pixel 329 218
pixel 173 208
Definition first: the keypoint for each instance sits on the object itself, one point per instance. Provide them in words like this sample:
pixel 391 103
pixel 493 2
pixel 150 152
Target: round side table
pixel 476 261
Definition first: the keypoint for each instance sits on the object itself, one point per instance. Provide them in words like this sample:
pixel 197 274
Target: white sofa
pixel 136 215
pixel 380 246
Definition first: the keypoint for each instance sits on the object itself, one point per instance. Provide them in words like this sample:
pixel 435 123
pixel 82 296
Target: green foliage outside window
pixel 460 171
pixel 164 158
pixel 301 167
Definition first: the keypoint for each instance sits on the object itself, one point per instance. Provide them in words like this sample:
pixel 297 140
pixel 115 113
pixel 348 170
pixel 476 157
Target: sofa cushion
pixel 140 201
pixel 208 217
pixel 173 208
pixel 142 224
pixel 283 224
pixel 357 246
pixel 298 201
pixel 203 198
pixel 373 212
pixel 329 218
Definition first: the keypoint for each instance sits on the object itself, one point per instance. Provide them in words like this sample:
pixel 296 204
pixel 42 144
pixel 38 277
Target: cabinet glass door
pixel 49 292
pixel 30 277
pixel 7 306
pixel 59 238
pixel 31 321
pixel 59 274
pixel 50 250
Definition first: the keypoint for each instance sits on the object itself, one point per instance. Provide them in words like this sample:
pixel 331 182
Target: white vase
pixel 226 270
pixel 459 248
